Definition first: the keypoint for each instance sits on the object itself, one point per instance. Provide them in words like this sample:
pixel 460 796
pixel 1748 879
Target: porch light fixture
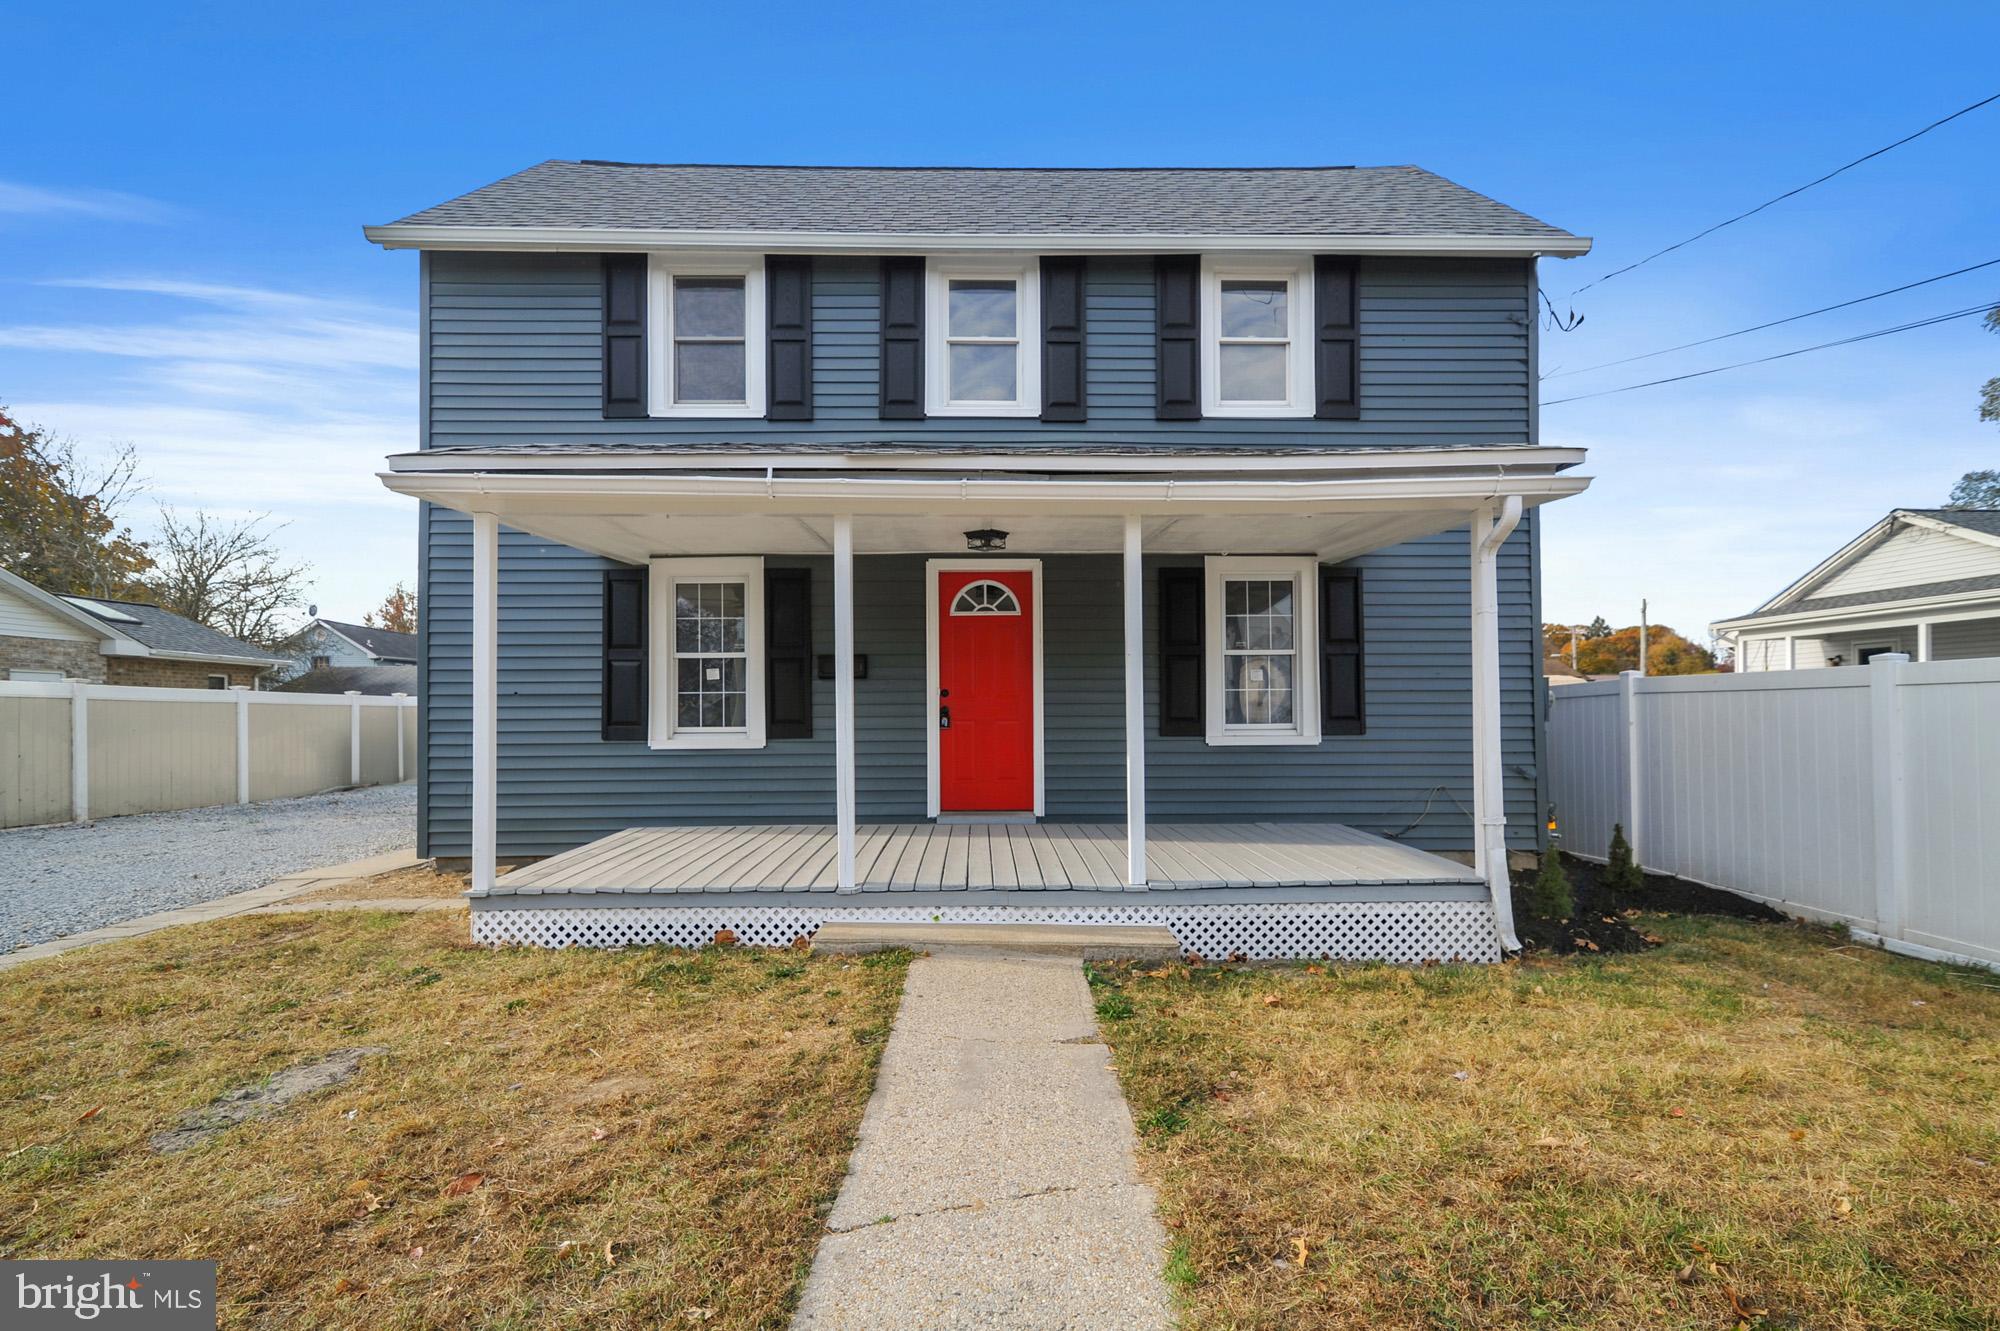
pixel 986 538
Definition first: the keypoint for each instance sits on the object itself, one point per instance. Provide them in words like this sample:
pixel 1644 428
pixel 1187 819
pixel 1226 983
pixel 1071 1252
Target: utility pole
pixel 1642 635
pixel 1573 631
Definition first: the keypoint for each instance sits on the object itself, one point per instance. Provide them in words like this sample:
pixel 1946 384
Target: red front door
pixel 986 690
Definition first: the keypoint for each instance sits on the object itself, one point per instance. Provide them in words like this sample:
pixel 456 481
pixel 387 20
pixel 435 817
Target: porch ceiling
pixel 1335 505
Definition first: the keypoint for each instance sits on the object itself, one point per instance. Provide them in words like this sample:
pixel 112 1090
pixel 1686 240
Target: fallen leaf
pixel 417 1252
pixel 609 1260
pixel 1461 1075
pixel 599 1134
pixel 496 1143
pixel 342 1285
pixel 1299 1251
pixel 725 938
pixel 1677 1112
pixel 1315 970
pixel 698 1314
pixel 374 1202
pixel 1798 1134
pixel 463 1184
pixel 1270 1000
pixel 90 1113
pixel 1551 1142
pixel 1842 1207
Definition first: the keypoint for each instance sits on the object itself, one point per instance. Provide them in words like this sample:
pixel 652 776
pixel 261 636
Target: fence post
pixel 401 702
pixel 354 737
pixel 1628 810
pixel 242 743
pixel 79 752
pixel 1885 712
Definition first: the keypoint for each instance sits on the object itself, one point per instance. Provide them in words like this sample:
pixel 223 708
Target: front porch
pixel 981 858
pixel 1225 890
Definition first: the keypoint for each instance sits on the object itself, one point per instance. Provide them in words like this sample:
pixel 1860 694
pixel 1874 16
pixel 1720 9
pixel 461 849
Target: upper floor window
pixel 1256 353
pixel 983 317
pixel 707 336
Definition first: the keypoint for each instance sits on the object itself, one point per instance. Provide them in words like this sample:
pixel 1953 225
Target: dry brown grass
pixel 644 1135
pixel 421 881
pixel 1753 1125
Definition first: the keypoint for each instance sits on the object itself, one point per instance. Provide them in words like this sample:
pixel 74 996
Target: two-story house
pixel 1095 546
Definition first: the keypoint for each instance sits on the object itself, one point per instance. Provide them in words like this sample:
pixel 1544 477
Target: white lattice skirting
pixel 1402 931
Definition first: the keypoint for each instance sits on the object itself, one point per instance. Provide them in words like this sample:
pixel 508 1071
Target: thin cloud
pixel 19 200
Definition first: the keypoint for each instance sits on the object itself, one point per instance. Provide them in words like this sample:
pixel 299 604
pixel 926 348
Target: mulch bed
pixel 1609 921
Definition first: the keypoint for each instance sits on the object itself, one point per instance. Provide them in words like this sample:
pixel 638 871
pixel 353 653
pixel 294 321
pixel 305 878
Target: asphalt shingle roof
pixel 376 680
pixel 1984 520
pixel 865 200
pixel 385 643
pixel 1949 588
pixel 165 631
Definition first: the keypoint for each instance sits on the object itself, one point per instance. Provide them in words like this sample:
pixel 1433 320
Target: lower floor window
pixel 1260 618
pixel 708 632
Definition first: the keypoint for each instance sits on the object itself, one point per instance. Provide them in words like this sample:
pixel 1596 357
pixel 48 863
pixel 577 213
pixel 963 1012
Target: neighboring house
pixel 808 544
pixel 100 641
pixel 1923 581
pixel 329 642
pixel 377 680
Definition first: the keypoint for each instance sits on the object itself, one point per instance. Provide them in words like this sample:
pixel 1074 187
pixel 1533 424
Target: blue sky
pixel 182 190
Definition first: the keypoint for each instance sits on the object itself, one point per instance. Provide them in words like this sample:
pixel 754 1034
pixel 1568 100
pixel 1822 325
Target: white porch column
pixel 843 694
pixel 485 698
pixel 1924 640
pixel 1791 652
pixel 1135 708
pixel 1492 525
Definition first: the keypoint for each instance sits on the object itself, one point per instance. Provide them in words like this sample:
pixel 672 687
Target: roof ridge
pixel 863 166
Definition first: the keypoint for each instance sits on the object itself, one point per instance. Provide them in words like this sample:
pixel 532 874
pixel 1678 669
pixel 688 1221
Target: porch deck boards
pixel 1038 857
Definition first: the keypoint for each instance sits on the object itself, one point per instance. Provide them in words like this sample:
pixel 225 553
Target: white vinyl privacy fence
pixel 1863 796
pixel 72 752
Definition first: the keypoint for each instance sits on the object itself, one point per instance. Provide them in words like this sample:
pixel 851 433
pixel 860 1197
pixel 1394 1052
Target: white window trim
pixel 660 275
pixel 1304 572
pixel 1027 273
pixel 662 577
pixel 1296 270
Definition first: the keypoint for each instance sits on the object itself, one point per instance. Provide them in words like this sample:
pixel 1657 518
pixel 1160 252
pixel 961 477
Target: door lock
pixel 944 718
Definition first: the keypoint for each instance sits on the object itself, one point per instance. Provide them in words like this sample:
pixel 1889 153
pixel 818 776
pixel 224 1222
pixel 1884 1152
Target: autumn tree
pixel 59 515
pixel 397 613
pixel 227 575
pixel 1989 394
pixel 1667 653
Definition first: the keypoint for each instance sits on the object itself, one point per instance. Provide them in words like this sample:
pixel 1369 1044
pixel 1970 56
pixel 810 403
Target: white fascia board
pixel 1533 457
pixel 1949 528
pixel 400 236
pixel 113 641
pixel 262 662
pixel 524 494
pixel 1875 614
pixel 1833 563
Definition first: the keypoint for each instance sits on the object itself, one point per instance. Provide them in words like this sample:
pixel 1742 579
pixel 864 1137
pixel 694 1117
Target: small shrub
pixel 1550 895
pixel 1621 871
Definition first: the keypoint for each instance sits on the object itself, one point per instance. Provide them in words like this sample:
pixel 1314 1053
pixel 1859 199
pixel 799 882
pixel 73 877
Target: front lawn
pixel 1757 1125
pixel 549 1139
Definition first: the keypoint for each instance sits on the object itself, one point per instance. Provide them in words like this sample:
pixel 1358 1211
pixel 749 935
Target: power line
pixel 1789 193
pixel 1784 355
pixel 1758 328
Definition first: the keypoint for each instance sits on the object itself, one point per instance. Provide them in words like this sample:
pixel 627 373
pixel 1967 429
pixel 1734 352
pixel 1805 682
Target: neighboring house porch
pixel 1232 656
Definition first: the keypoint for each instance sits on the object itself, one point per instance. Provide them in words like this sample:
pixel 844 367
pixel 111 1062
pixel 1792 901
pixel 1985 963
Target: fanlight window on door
pixel 985 598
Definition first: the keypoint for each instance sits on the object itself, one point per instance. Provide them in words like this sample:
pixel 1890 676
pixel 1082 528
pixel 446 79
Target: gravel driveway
pixel 63 880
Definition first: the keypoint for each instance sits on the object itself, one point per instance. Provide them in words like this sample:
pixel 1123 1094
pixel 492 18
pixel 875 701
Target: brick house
pixel 44 636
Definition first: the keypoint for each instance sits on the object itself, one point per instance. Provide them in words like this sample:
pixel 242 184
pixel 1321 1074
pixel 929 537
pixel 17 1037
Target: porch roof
pixel 635 502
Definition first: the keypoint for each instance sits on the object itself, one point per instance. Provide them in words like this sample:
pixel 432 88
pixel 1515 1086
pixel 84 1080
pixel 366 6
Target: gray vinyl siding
pixel 560 785
pixel 513 347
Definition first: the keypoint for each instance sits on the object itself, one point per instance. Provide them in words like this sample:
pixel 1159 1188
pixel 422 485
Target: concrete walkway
pixel 994 1183
pixel 272 895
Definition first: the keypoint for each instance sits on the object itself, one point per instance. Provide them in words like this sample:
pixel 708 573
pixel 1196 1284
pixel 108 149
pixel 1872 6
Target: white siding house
pixel 1925 582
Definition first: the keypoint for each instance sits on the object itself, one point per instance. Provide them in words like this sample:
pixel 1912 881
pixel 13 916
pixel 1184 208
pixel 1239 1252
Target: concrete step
pixel 1091 942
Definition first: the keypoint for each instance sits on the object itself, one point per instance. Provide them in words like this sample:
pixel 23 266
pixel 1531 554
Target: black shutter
pixel 1062 339
pixel 1182 695
pixel 624 335
pixel 625 653
pixel 903 339
pixel 788 653
pixel 1342 686
pixel 1177 336
pixel 788 307
pixel 1336 340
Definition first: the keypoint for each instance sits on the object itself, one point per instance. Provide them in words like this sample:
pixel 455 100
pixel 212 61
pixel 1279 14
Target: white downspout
pixel 1494 524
